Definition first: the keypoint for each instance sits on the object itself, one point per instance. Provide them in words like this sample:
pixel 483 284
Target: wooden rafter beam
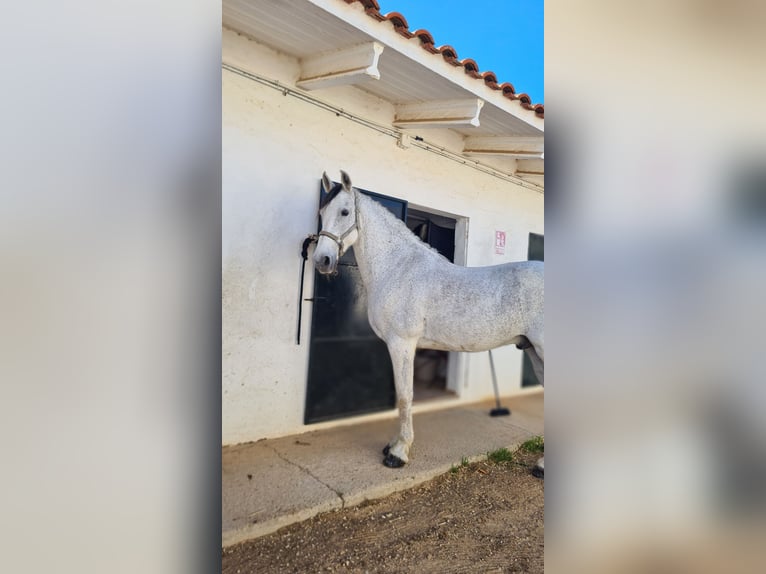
pixel 530 168
pixel 341 67
pixel 439 114
pixel 504 146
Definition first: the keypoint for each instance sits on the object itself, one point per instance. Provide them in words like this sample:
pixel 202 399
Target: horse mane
pixel 397 226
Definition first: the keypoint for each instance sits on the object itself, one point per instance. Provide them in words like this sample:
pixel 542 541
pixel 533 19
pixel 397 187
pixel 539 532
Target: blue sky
pixel 505 36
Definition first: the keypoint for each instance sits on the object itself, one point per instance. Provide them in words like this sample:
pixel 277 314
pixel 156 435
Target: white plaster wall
pixel 275 148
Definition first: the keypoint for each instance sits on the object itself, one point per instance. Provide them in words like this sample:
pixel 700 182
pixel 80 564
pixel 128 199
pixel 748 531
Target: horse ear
pixel 345 180
pixel 326 183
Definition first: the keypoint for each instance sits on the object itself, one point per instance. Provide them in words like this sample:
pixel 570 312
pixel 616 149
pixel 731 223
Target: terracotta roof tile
pixel 508 90
pixel 371 7
pixel 366 3
pixel 426 41
pixel 399 22
pixel 450 54
pixel 471 67
pixel 490 79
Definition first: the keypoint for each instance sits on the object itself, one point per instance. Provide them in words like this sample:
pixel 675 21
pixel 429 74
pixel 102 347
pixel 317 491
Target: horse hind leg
pixel 536 354
pixel 402 358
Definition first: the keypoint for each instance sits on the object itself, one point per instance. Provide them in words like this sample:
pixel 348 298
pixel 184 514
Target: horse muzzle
pixel 326 264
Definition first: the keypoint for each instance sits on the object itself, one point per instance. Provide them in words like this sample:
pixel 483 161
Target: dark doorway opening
pixel 535 252
pixel 431 367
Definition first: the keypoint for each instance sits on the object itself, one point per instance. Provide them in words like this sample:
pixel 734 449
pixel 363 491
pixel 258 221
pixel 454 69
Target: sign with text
pixel 500 242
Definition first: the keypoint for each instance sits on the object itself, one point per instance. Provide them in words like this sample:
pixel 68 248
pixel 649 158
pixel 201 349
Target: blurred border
pixel 656 228
pixel 110 226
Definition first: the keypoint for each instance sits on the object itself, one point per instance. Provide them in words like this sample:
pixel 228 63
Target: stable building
pixel 322 85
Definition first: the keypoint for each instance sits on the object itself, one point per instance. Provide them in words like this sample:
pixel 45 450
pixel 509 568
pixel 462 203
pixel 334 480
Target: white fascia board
pixel 341 67
pixel 439 114
pixel 354 14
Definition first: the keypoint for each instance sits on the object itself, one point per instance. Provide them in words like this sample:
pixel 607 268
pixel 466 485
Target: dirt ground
pixel 485 517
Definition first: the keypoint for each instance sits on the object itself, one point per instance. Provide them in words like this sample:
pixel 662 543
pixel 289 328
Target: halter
pixel 336 239
pixel 339 240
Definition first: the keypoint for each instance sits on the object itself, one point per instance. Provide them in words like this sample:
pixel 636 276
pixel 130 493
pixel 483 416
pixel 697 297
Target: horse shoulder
pixel 395 305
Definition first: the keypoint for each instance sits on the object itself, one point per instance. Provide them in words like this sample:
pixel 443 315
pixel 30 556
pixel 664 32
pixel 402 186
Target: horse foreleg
pixel 402 358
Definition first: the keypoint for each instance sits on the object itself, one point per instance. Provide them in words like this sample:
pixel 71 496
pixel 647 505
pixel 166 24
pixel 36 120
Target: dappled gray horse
pixel 416 298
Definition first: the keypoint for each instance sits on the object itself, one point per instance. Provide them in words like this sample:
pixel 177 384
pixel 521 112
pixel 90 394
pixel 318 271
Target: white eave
pixel 339 44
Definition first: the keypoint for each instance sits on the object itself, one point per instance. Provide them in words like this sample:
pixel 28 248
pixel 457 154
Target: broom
pixel 498 411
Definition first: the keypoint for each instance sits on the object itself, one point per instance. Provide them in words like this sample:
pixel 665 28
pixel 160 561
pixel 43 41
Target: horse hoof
pixel 538 472
pixel 392 461
pixel 387 449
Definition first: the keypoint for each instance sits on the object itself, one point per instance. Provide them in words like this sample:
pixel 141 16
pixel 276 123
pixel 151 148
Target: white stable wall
pixel 275 148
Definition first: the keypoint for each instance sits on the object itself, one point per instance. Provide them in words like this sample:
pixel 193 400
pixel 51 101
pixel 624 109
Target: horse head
pixel 337 211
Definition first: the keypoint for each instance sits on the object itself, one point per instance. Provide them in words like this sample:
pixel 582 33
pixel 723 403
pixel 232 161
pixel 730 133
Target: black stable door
pixel 350 369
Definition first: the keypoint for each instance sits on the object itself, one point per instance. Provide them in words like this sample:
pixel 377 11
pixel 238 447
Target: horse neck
pixel 382 239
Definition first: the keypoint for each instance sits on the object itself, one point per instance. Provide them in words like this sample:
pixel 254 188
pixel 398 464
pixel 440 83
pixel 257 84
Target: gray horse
pixel 418 299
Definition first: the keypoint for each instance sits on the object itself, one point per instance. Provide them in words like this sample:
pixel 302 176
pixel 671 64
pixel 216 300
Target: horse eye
pixel 344 212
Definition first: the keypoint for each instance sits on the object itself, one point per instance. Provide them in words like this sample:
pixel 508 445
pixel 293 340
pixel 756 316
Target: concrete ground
pixel 272 483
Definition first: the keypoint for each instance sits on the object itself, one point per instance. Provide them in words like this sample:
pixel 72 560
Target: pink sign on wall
pixel 500 242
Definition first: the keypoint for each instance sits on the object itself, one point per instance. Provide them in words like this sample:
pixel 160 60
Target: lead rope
pixel 304 254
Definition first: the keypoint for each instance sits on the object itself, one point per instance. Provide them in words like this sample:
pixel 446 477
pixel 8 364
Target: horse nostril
pixel 326 261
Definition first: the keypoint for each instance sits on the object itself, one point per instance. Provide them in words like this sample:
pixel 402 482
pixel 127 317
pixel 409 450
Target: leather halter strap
pixel 336 239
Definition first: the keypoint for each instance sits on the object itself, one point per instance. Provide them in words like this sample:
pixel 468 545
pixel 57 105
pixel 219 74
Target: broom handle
pixel 494 379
